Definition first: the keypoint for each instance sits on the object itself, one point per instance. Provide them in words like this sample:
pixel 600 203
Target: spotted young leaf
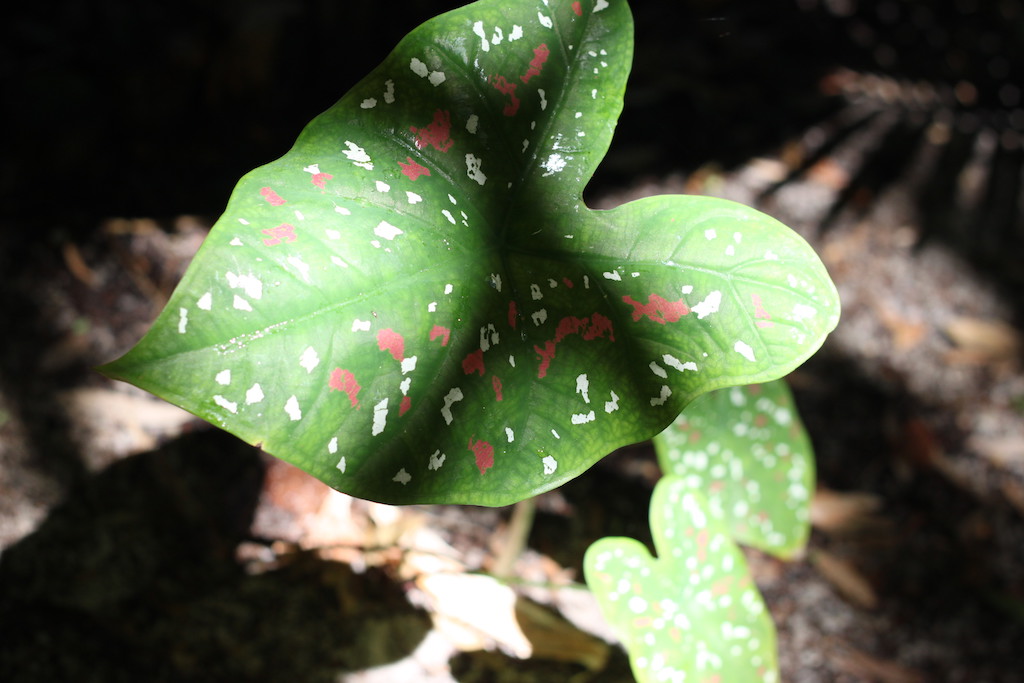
pixel 747 450
pixel 692 613
pixel 415 305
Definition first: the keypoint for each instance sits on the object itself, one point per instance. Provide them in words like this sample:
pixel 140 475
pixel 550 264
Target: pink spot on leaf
pixel 435 133
pixel 659 310
pixel 513 317
pixel 474 362
pixel 540 55
pixel 496 384
pixel 278 234
pixel 577 8
pixel 412 170
pixel 320 179
pixel 443 332
pixel 506 88
pixel 567 282
pixel 483 452
pixel 762 316
pixel 547 354
pixel 389 340
pixel 345 381
pixel 404 406
pixel 590 328
pixel 273 198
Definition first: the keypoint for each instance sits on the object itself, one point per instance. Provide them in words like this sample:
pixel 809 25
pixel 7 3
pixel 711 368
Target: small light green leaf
pixel 415 305
pixel 747 450
pixel 693 613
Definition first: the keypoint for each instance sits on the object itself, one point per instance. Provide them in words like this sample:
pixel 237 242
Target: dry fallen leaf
pixel 983 341
pixel 475 612
pixel 846 579
pixel 844 512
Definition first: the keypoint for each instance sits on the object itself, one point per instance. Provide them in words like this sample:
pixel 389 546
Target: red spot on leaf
pixel 496 383
pixel 546 355
pixel 443 332
pixel 278 234
pixel 474 362
pixel 762 316
pixel 412 170
pixel 577 8
pixel 600 326
pixel 345 381
pixel 436 132
pixel 659 310
pixel 513 317
pixel 540 55
pixel 389 340
pixel 273 198
pixel 594 327
pixel 404 406
pixel 320 179
pixel 506 88
pixel 567 282
pixel 483 452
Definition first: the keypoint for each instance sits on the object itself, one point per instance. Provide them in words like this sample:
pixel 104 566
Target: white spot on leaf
pixel 254 394
pixel 402 477
pixel 473 165
pixel 291 407
pixel 357 155
pixel 183 320
pixel 309 359
pixel 436 460
pixel 555 163
pixel 674 362
pixel 709 305
pixel 205 302
pixel 239 303
pixel 455 394
pixel 662 397
pixel 380 417
pixel 612 405
pixel 744 350
pixel 227 405
pixel 386 230
pixel 223 377
pixel 583 418
pixel 583 387
pixel 550 465
pixel 360 325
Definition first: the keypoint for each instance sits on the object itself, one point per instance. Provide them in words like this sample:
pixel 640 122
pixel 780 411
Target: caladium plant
pixel 415 305
pixel 738 467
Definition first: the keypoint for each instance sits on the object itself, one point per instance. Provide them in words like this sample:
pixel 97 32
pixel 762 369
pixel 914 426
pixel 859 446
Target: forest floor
pixel 142 545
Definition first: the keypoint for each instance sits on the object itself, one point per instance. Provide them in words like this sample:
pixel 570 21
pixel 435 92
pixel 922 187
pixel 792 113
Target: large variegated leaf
pixel 415 305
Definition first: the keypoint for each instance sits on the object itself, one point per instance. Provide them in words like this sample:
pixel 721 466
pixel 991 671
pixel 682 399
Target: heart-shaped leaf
pixel 747 450
pixel 414 305
pixel 693 613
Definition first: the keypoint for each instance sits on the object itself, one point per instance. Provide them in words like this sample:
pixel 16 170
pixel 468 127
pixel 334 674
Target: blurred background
pixel 140 545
